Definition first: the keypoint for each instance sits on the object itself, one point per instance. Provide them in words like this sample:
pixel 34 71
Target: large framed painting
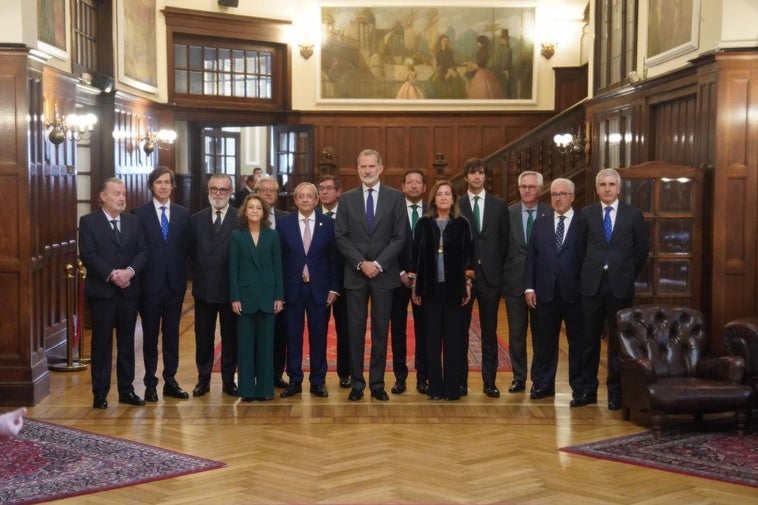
pixel 52 28
pixel 673 29
pixel 137 58
pixel 480 51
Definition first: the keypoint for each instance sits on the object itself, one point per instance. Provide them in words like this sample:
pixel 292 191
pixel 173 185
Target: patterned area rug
pixel 48 462
pixel 711 451
pixel 474 351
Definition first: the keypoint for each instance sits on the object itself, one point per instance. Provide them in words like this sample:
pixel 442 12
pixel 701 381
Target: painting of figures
pixel 427 53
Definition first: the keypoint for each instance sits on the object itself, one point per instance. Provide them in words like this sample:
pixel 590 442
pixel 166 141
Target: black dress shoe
pixel 380 394
pixel 452 398
pixel 355 395
pixel 614 401
pixel 292 390
pixel 248 399
pixel 516 386
pixel 463 390
pixel 200 389
pixel 435 397
pixel 491 390
pixel 538 393
pixel 131 399
pixel 264 398
pixel 398 388
pixel 422 387
pixel 583 399
pixel 319 391
pixel 230 389
pixel 100 402
pixel 345 382
pixel 173 390
pixel 281 383
pixel 151 395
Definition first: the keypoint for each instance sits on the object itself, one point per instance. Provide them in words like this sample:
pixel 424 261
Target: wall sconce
pixel 162 139
pixel 567 143
pixel 75 127
pixel 306 50
pixel 548 50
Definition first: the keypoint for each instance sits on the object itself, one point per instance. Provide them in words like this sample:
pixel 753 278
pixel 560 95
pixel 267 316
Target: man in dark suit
pixel 311 269
pixel 552 269
pixel 165 225
pixel 521 216
pixel 617 250
pixel 488 216
pixel 268 188
pixel 247 186
pixel 210 230
pixel 113 250
pixel 370 230
pixel 414 187
pixel 329 192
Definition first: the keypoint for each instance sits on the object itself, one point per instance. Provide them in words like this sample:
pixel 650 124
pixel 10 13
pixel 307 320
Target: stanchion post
pixel 70 365
pixel 81 277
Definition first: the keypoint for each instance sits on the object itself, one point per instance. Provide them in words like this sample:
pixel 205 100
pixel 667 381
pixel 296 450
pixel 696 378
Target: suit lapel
pixel 253 249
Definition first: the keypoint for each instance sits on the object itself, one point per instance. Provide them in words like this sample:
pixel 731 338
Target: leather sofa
pixel 741 338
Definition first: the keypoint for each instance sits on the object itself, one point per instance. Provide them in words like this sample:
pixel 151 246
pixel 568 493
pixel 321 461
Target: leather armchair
pixel 741 338
pixel 665 369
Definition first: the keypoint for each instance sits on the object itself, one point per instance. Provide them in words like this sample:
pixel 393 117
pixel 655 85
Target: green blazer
pixel 255 272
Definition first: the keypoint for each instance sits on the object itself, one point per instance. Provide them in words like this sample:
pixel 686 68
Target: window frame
pixel 606 17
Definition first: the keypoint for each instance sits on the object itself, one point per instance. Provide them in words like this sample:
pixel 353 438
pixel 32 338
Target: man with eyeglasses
pixel 617 250
pixel 521 216
pixel 210 229
pixel 268 188
pixel 329 192
pixel 552 269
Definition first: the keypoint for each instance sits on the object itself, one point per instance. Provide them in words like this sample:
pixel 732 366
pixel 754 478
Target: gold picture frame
pixel 137 58
pixel 673 29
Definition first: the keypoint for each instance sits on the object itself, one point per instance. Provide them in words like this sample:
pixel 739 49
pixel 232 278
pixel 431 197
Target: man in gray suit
pixel 370 231
pixel 521 216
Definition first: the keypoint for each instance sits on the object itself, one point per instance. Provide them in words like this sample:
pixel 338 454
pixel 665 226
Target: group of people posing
pixel 262 273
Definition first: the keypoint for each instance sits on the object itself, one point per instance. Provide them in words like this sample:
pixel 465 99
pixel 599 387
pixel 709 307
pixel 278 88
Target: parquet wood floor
pixel 410 450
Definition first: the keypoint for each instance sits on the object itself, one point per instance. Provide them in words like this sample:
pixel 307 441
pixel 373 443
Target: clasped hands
pixel 121 277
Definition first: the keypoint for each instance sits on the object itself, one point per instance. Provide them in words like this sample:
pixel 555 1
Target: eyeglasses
pixel 265 190
pixel 562 194
pixel 529 188
pixel 326 188
pixel 219 191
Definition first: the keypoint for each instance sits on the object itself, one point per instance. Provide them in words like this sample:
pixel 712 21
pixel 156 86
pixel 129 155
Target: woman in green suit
pixel 256 289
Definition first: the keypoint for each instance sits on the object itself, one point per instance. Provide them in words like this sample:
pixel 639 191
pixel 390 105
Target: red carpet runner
pixel 475 348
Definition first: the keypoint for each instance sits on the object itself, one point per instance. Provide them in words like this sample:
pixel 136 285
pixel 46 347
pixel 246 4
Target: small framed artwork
pixel 673 29
pixel 52 28
pixel 137 59
pixel 425 52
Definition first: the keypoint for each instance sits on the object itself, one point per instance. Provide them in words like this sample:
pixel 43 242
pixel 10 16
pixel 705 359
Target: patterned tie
pixel 529 224
pixel 116 231
pixel 330 214
pixel 370 210
pixel 164 222
pixel 477 214
pixel 607 225
pixel 217 222
pixel 559 231
pixel 306 243
pixel 414 217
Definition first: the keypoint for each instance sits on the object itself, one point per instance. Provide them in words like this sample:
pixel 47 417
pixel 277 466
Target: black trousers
pixel 401 296
pixel 206 314
pixel 488 299
pixel 444 344
pixel 119 313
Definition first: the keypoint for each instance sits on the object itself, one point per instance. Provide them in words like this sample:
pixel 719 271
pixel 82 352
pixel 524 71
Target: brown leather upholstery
pixel 741 338
pixel 665 368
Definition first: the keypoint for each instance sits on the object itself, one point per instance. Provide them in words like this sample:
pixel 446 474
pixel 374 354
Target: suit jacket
pixel 210 255
pixel 626 253
pixel 546 268
pixel 490 244
pixel 167 257
pixel 513 271
pixel 384 245
pixel 457 242
pixel 323 260
pixel 255 272
pixel 241 194
pixel 101 253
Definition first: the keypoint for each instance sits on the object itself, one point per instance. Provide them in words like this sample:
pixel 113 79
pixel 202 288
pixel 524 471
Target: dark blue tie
pixel 164 222
pixel 607 225
pixel 370 210
pixel 559 231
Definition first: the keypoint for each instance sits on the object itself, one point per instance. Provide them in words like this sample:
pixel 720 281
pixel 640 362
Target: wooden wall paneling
pixel 419 147
pixel 442 142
